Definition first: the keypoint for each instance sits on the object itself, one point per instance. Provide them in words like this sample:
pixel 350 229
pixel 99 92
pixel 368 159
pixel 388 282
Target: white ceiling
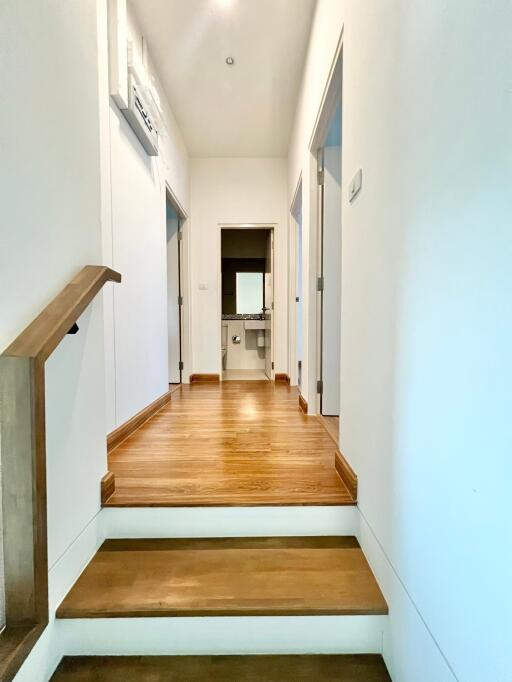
pixel 243 110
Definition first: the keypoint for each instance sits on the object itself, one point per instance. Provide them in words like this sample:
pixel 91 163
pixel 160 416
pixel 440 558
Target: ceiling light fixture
pixel 225 4
pixel 230 61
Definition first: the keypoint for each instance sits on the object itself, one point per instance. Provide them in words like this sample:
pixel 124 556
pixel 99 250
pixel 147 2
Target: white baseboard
pixel 409 650
pixel 228 635
pixel 160 522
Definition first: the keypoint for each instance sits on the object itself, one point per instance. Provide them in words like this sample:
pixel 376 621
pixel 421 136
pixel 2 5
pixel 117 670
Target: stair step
pixel 225 577
pixel 359 668
pixel 214 522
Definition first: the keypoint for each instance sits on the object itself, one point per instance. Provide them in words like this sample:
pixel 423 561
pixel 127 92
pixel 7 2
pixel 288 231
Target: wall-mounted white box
pixel 355 185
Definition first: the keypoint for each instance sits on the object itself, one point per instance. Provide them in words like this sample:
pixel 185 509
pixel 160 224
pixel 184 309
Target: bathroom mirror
pixel 249 293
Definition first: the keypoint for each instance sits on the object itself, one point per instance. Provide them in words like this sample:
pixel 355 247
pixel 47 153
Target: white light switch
pixel 355 185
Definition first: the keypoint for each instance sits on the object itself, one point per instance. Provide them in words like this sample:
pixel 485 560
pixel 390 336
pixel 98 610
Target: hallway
pixel 256 285
pixel 233 443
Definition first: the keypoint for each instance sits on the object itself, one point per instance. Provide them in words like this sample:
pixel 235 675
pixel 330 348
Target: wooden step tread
pixel 225 577
pixel 348 668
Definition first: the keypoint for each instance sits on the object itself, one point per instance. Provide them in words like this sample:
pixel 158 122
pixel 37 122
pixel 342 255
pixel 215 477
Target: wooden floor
pixel 226 577
pixel 332 426
pixel 233 443
pixel 362 668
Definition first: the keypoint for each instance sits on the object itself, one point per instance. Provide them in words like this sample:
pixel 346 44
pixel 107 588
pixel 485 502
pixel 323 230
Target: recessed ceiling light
pixel 230 61
pixel 225 4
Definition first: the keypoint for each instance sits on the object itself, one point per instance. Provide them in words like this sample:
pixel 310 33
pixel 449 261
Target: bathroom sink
pixel 254 324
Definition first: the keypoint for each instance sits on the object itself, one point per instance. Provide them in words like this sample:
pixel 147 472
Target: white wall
pixel 135 243
pixel 50 228
pixel 230 191
pixel 426 316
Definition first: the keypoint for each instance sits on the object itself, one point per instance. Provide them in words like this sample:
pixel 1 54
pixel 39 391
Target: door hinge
pixel 272 365
pixel 297 299
pixel 320 167
pixel 320 284
pixel 180 236
pixel 272 306
pixel 181 365
pixel 180 300
pixel 320 386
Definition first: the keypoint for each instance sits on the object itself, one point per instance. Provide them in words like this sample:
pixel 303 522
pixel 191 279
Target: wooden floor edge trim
pixel 282 377
pixel 208 378
pixel 64 613
pixel 108 485
pixel 303 403
pixel 206 503
pixel 122 432
pixel 346 473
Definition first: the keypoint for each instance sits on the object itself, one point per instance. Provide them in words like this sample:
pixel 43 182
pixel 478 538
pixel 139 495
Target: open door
pixel 329 284
pixel 298 297
pixel 174 293
pixel 268 305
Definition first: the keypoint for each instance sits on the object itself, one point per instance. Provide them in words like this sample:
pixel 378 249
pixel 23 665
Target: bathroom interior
pixel 247 303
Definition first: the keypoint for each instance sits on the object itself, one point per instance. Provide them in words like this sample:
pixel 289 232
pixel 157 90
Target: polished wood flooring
pixel 332 426
pixel 225 577
pixel 234 443
pixel 359 668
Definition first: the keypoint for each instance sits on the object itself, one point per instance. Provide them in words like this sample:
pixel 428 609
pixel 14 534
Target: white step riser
pixel 228 635
pixel 206 522
pixel 208 636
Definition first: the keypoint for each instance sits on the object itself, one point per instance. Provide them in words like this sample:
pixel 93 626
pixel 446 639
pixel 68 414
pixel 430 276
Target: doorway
pixel 246 302
pixel 174 235
pixel 326 151
pixel 296 300
pixel 329 178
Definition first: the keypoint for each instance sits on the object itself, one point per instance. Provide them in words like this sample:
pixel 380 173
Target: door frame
pixel 243 226
pixel 333 94
pixel 183 281
pixel 293 290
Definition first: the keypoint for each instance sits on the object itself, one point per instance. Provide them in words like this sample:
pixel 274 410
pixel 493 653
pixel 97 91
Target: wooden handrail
pixel 23 438
pixel 44 334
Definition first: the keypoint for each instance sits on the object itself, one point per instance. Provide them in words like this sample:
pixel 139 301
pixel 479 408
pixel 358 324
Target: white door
pixel 331 272
pixel 298 298
pixel 269 304
pixel 173 296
